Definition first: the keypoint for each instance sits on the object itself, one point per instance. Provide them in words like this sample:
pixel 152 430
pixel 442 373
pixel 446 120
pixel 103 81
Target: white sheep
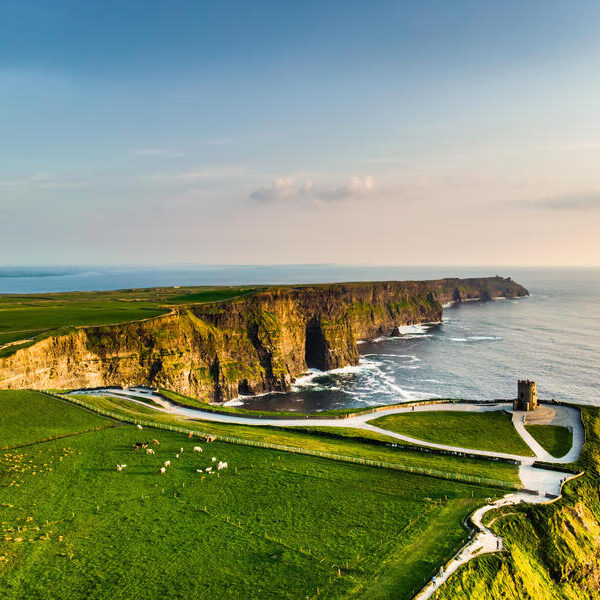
pixel 167 463
pixel 120 467
pixel 149 451
pixel 139 426
pixel 162 470
pixel 197 449
pixel 180 450
pixel 221 465
pixel 214 459
pixel 177 456
pixel 208 469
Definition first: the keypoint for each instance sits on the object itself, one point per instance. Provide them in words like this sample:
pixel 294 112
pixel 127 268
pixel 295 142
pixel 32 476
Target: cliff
pixel 256 344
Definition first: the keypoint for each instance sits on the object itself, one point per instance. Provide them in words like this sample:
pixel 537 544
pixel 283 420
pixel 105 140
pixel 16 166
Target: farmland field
pixel 479 431
pixel 272 525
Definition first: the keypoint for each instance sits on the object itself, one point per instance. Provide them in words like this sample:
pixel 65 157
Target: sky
pixel 367 132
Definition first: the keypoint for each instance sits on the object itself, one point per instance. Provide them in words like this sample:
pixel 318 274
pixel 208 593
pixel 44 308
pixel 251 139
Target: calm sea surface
pixel 478 351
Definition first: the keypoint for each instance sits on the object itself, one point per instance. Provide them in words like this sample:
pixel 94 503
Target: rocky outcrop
pixel 256 344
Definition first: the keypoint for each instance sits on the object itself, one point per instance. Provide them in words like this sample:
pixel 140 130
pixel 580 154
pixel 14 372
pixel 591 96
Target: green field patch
pixel 554 439
pixel 272 525
pixel 213 295
pixel 492 430
pixel 27 417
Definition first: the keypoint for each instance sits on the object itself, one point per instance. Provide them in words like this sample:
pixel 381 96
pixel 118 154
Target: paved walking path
pixel 540 484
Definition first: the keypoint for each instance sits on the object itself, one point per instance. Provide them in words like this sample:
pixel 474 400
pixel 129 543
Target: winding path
pixel 540 485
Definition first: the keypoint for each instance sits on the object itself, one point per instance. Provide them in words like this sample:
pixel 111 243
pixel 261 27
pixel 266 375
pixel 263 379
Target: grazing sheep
pixel 180 450
pixel 208 469
pixel 197 449
pixel 139 426
pixel 156 442
pixel 120 467
pixel 221 465
pixel 167 463
pixel 162 470
pixel 199 471
pixel 149 451
pixel 214 459
pixel 177 456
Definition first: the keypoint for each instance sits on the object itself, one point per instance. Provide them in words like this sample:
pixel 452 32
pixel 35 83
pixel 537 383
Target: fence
pixel 461 477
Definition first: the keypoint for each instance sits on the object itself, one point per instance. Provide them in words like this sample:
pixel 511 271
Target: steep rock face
pixel 256 344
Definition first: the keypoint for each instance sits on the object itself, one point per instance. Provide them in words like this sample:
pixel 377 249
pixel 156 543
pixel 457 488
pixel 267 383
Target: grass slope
pixel 27 417
pixel 478 431
pixel 553 551
pixel 273 525
pixel 553 438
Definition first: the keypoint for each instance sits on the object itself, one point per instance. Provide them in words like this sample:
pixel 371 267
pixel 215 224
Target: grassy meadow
pixel 271 525
pixel 478 431
pixel 25 317
pixel 554 439
pixel 352 442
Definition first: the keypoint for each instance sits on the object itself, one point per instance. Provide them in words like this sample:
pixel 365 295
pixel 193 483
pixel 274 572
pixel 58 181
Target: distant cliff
pixel 256 344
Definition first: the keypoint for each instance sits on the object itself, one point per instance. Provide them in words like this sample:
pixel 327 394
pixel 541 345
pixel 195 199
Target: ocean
pixel 478 351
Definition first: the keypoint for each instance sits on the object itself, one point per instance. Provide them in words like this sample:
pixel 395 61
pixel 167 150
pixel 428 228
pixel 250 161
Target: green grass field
pixel 26 317
pixel 554 439
pixel 478 431
pixel 355 443
pixel 25 418
pixel 273 525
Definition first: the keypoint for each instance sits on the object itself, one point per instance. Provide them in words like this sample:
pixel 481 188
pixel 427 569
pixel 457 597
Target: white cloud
pixel 286 189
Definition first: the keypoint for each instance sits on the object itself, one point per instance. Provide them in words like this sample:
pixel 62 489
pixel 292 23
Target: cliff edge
pixel 255 344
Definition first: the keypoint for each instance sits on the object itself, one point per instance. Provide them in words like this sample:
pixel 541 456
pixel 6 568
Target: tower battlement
pixel 526 395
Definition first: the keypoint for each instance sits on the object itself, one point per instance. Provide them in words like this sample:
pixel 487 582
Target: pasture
pixel 25 317
pixel 354 442
pixel 271 525
pixel 554 439
pixel 479 431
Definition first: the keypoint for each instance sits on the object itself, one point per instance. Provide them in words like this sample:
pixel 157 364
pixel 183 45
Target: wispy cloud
pixel 158 152
pixel 286 189
pixel 574 201
pixel 41 181
pixel 195 176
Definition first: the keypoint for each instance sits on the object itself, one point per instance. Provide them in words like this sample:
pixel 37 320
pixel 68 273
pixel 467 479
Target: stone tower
pixel 526 396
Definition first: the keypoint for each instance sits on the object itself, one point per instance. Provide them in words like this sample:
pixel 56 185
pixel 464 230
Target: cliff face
pixel 256 344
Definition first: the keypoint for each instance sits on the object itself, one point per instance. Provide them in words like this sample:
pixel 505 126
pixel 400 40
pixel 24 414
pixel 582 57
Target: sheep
pixel 199 471
pixel 139 426
pixel 180 450
pixel 162 470
pixel 167 463
pixel 197 449
pixel 149 451
pixel 177 456
pixel 221 465
pixel 208 469
pixel 156 442
pixel 214 459
pixel 120 467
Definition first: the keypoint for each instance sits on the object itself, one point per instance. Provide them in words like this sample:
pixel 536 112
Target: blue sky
pixel 269 132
